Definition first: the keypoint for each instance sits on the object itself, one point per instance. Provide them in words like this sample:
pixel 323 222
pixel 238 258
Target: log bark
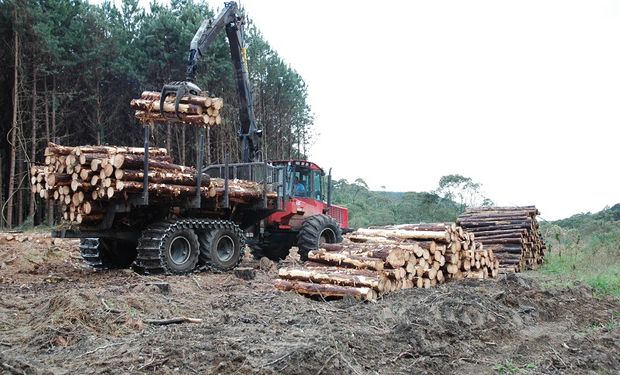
pixel 110 150
pixel 163 190
pixel 346 260
pixel 404 234
pixel 376 282
pixel 162 177
pixel 203 101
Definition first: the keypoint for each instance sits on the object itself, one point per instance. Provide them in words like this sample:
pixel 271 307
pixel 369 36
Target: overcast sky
pixel 521 96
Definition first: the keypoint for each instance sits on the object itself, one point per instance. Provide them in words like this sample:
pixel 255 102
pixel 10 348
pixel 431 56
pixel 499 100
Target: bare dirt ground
pixel 57 317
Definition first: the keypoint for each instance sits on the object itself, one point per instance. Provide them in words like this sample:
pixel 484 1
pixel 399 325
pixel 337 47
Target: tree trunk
pixel 20 181
pixel 54 109
pixel 182 148
pixel 1 192
pixel 48 135
pixel 33 150
pixel 13 142
pixel 208 146
pixel 169 139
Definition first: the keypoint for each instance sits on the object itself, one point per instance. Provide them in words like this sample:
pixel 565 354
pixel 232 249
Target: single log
pixel 500 241
pixel 325 290
pixel 345 260
pixel 404 234
pixel 161 177
pixel 393 257
pixel 110 150
pixel 146 117
pixel 58 179
pixel 154 106
pixel 163 190
pixel 86 174
pixel 203 101
pixel 367 239
pixel 476 219
pixel 500 231
pixel 496 224
pixel 376 282
pixel 438 227
pixel 77 185
pixel 120 160
pixel 137 162
pixel 53 149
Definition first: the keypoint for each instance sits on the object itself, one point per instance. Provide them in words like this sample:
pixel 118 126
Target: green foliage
pixel 93 59
pixel 462 190
pixel 368 207
pixel 586 248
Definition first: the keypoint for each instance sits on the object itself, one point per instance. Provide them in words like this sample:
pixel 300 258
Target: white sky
pixel 521 96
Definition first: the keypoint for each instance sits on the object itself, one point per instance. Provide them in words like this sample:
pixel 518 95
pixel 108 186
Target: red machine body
pixel 314 201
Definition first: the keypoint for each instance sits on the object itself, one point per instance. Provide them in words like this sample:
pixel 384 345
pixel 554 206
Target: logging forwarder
pixel 179 235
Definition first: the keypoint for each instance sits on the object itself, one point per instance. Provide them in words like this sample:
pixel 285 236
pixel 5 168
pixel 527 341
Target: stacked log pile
pixel 371 262
pixel 84 179
pixel 511 232
pixel 193 109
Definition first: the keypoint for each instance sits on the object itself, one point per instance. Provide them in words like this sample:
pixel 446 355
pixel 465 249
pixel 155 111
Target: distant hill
pixel 367 207
pixel 608 214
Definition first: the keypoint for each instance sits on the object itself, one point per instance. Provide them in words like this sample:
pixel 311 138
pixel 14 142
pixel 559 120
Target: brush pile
pixel 511 232
pixel 371 262
pixel 193 109
pixel 84 179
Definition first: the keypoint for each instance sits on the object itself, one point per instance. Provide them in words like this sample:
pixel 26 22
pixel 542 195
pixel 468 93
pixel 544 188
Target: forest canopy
pixel 71 68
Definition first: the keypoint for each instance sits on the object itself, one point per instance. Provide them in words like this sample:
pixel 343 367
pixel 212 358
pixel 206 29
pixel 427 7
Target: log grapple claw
pixel 178 89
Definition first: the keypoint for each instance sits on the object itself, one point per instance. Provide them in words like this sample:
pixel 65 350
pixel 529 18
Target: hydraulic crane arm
pixel 232 20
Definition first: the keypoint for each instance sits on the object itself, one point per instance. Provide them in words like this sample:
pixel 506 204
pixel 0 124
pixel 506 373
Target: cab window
pixel 302 183
pixel 316 185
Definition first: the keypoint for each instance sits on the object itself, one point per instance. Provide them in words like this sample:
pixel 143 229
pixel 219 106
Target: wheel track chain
pixel 150 249
pixel 204 239
pixel 89 250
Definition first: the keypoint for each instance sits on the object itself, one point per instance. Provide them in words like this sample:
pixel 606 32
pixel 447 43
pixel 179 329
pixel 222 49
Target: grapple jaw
pixel 178 89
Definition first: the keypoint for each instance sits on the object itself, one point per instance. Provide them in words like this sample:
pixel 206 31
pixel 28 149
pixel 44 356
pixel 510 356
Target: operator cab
pixel 305 179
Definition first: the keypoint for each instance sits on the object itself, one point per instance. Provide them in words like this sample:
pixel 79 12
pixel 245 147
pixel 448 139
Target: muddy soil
pixel 58 317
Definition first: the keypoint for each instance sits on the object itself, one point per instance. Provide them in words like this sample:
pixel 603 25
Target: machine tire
pixel 180 252
pixel 107 253
pixel 222 246
pixel 315 230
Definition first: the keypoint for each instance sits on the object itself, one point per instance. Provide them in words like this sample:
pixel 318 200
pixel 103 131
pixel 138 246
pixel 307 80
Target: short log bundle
pixel 84 179
pixel 195 110
pixel 511 232
pixel 371 262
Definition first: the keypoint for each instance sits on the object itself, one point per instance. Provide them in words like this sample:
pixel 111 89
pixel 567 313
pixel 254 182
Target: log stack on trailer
pixel 84 179
pixel 375 261
pixel 511 232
